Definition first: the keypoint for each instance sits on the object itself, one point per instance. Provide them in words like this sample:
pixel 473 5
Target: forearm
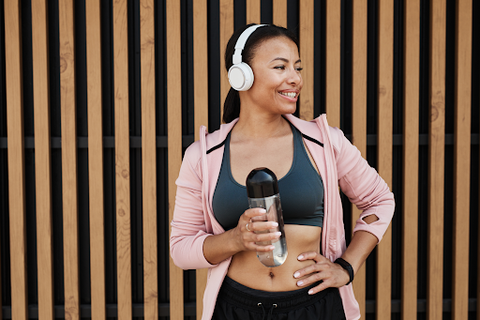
pixel 359 248
pixel 219 247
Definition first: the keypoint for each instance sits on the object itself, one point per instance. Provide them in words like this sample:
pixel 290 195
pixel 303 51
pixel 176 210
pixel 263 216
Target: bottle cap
pixel 261 183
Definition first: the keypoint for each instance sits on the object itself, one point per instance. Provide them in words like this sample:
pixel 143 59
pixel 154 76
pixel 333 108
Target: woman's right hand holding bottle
pixel 253 231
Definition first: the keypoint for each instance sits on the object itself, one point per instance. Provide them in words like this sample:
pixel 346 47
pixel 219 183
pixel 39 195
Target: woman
pixel 213 226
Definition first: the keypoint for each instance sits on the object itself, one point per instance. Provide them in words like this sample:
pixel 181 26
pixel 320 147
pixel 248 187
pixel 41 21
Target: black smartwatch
pixel 347 266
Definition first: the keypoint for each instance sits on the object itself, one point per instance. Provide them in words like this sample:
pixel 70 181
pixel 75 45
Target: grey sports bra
pixel 301 191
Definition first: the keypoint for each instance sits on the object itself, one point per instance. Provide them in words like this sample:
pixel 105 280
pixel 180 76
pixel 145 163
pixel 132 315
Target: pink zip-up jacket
pixel 339 164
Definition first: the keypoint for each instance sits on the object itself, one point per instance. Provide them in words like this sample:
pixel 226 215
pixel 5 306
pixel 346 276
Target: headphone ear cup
pixel 240 76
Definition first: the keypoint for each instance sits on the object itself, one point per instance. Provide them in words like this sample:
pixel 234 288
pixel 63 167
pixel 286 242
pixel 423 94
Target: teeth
pixel 289 94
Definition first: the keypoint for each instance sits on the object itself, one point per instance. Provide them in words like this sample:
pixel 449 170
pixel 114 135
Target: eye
pixel 299 69
pixel 279 67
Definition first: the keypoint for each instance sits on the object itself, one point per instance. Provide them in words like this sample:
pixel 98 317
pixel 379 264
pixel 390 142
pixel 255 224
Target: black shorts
pixel 236 301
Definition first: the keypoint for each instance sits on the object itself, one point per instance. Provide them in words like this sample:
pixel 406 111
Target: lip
pixel 292 99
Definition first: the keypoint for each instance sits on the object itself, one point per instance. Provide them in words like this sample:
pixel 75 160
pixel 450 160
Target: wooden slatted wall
pixel 379 69
pixel 95 159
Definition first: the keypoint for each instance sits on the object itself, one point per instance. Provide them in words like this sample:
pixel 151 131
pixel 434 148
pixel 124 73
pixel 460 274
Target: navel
pixel 271 274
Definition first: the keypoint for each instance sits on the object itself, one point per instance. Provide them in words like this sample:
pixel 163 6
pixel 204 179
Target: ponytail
pixel 231 107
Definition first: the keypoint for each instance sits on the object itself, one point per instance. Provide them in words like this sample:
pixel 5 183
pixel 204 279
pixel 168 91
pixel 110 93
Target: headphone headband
pixel 240 75
pixel 242 40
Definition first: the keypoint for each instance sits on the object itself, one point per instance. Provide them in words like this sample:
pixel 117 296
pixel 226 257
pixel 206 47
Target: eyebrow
pixel 285 60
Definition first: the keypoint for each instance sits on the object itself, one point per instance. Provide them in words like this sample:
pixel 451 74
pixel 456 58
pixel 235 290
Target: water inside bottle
pixel 276 257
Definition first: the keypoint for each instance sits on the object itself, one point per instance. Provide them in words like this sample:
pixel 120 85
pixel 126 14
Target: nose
pixel 294 76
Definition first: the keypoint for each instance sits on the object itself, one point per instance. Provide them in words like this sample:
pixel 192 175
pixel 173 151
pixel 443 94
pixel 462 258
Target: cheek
pixel 300 85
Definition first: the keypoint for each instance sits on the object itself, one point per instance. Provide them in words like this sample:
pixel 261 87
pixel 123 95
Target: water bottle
pixel 262 192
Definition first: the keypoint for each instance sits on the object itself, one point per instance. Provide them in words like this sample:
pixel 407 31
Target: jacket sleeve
pixel 363 186
pixel 188 227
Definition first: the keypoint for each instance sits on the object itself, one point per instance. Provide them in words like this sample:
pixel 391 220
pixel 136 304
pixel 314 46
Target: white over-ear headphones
pixel 240 75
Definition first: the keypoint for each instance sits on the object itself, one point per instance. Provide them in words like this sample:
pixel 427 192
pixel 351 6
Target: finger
pixel 311 255
pixel 310 279
pixel 254 226
pixel 308 270
pixel 254 212
pixel 317 289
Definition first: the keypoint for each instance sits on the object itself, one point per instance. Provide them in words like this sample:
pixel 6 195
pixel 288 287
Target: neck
pixel 261 127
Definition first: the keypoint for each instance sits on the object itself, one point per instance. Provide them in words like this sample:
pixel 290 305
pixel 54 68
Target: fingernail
pixel 310 291
pixel 274 224
pixel 300 283
pixel 300 257
pixel 262 210
pixel 296 274
pixel 278 234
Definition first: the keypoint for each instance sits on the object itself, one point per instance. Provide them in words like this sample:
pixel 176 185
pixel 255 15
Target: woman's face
pixel 277 82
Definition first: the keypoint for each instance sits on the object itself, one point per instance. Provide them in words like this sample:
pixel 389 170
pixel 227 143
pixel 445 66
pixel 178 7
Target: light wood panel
pixel 69 160
pixel 200 81
pixel 436 153
pixel 43 183
pixel 332 63
pixel 16 160
pixel 174 110
pixel 200 64
pixel 226 31
pixel 385 143
pixel 149 160
pixel 253 11
pixel 359 116
pixel 122 160
pixel 306 35
pixel 95 158
pixel 279 8
pixel 410 159
pixel 461 218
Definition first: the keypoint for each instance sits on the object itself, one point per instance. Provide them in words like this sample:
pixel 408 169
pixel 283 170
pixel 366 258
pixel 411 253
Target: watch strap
pixel 347 266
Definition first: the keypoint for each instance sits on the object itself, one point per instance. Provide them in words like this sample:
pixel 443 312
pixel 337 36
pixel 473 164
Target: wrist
pixel 348 267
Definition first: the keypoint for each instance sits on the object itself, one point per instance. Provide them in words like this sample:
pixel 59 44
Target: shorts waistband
pixel 284 301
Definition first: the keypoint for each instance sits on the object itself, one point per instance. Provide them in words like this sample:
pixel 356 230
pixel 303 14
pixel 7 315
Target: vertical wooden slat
pixel 122 159
pixel 385 139
pixel 149 171
pixel 16 159
pixel 43 184
pixel 359 116
pixel 306 33
pixel 200 64
pixel 200 81
pixel 174 110
pixel 226 31
pixel 253 11
pixel 410 159
pixel 69 160
pixel 95 159
pixel 436 152
pixel 279 8
pixel 462 160
pixel 332 64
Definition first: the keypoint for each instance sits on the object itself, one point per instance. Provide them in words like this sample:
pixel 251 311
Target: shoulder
pixel 208 141
pixel 320 130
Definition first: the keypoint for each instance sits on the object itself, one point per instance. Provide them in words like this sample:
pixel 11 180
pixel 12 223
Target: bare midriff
pixel 249 271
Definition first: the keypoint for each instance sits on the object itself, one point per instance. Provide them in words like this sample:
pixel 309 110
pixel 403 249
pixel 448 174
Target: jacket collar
pixel 309 130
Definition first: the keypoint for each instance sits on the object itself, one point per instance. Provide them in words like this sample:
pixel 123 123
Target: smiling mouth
pixel 289 94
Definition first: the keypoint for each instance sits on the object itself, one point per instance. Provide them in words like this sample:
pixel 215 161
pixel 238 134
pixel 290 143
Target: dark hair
pixel 231 106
